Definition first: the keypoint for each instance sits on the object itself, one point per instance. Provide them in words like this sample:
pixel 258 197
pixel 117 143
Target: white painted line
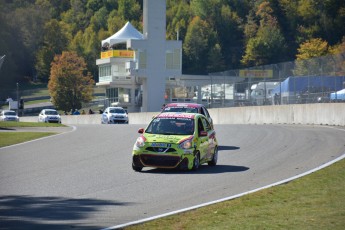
pixel 74 129
pixel 226 198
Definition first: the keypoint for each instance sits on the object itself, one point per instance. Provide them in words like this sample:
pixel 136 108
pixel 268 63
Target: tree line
pixel 217 35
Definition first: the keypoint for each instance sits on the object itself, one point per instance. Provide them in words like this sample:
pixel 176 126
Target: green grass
pixel 11 138
pixel 36 101
pixel 35 92
pixel 316 201
pixel 11 124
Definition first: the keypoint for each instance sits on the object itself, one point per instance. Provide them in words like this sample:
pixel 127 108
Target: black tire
pixel 136 168
pixel 214 160
pixel 196 161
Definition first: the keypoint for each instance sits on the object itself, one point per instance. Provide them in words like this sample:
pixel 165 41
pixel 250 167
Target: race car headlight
pixel 140 142
pixel 187 144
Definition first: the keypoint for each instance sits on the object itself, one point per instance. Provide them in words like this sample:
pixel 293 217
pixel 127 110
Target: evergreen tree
pixel 54 42
pixel 268 43
pixel 195 46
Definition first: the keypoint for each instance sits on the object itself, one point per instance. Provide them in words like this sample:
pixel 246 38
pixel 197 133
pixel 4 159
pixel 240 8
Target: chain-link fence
pixel 317 80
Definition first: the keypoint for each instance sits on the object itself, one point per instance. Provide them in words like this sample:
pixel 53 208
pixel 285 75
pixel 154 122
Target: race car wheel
pixel 196 162
pixel 136 168
pixel 213 162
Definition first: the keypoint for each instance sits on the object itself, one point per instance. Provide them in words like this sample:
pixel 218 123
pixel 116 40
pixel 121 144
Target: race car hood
pixel 159 138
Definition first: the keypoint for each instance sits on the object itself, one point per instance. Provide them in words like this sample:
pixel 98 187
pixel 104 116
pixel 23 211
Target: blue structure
pixel 306 89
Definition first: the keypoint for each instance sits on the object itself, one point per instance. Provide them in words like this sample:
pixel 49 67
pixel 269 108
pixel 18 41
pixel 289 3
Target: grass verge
pixel 9 138
pixel 11 124
pixel 313 202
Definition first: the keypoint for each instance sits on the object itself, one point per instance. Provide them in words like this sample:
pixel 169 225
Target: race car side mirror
pixel 203 134
pixel 141 130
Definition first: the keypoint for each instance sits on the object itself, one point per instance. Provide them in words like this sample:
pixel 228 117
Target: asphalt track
pixel 83 179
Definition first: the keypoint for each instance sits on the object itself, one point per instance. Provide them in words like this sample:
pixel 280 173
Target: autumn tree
pixel 70 84
pixel 338 52
pixel 308 61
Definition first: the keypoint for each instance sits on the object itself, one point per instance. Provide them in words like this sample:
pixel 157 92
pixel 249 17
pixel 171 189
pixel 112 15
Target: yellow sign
pixel 256 73
pixel 117 53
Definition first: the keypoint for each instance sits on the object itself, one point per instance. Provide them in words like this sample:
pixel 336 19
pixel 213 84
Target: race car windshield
pixel 171 126
pixel 51 112
pixel 10 113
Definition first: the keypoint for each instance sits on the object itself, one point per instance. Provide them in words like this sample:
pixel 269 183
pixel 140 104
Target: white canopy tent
pixel 127 32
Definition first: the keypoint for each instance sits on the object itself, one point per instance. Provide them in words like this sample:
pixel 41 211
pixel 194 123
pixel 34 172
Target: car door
pixel 203 140
pixel 211 138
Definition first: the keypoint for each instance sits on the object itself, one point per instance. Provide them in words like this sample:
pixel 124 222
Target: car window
pixel 200 125
pixel 117 111
pixel 10 113
pixel 202 111
pixel 206 113
pixel 206 124
pixel 51 112
pixel 171 126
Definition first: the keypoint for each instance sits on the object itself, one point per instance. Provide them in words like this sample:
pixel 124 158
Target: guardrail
pixel 304 114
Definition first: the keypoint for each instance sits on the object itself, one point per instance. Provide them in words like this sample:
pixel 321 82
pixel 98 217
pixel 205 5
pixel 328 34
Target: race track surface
pixel 83 179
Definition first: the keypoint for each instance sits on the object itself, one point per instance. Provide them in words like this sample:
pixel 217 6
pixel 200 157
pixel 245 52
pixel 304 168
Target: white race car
pixel 114 115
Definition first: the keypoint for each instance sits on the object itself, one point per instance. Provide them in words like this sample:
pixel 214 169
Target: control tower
pixel 134 66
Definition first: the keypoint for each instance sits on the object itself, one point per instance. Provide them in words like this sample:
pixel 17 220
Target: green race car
pixel 176 140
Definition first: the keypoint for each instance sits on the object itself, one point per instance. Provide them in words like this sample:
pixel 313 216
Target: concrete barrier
pixel 306 114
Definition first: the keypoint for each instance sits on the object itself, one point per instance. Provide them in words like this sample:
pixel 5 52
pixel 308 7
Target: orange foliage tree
pixel 70 84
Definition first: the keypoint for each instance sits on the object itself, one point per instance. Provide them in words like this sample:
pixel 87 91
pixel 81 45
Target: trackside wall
pixel 306 114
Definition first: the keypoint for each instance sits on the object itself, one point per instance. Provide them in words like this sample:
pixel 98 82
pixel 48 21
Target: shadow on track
pixel 28 212
pixel 224 147
pixel 203 169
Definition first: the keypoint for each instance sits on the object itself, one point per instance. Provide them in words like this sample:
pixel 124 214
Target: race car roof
pixel 188 105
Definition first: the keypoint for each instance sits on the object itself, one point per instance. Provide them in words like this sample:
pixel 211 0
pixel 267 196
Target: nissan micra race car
pixel 176 140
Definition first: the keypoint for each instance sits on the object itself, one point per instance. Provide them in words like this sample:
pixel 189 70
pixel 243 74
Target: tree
pixel 77 17
pixel 54 42
pixel 338 58
pixel 129 10
pixel 178 16
pixel 215 59
pixel 70 84
pixel 230 36
pixel 308 61
pixel 198 38
pixel 268 43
